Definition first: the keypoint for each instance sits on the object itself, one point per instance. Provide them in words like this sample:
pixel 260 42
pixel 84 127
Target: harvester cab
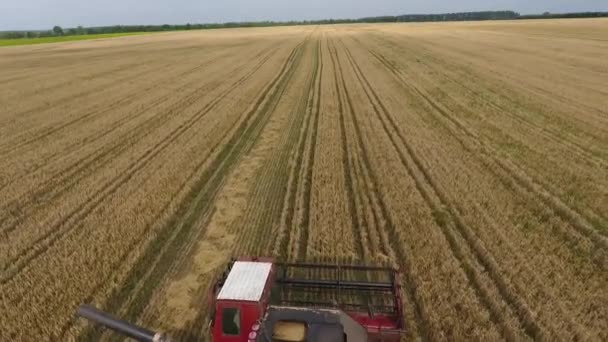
pixel 257 299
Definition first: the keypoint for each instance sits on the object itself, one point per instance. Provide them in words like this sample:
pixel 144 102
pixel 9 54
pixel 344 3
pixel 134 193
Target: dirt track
pixel 470 155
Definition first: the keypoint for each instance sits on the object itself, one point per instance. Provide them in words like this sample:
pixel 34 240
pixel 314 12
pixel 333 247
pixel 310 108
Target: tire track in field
pixel 346 166
pixel 359 222
pixel 12 147
pixel 505 171
pixel 300 178
pixel 310 162
pixel 61 183
pixel 389 242
pixel 157 260
pixel 66 224
pixel 453 226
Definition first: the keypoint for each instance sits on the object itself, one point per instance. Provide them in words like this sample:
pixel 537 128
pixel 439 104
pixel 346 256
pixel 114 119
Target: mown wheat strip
pixel 255 241
pixel 293 243
pixel 271 188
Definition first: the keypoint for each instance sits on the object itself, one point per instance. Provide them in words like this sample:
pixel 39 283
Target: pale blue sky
pixel 43 14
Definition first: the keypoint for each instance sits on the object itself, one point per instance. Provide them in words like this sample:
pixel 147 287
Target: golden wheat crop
pixel 471 156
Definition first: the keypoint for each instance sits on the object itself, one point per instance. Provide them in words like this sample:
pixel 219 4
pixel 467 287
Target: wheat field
pixel 471 156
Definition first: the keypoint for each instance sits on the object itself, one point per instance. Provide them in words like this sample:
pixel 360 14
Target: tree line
pixel 462 16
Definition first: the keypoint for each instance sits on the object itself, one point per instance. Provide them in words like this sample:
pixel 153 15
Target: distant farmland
pixel 473 156
pixel 59 39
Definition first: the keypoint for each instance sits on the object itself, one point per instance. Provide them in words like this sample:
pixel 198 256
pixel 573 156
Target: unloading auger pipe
pixel 120 326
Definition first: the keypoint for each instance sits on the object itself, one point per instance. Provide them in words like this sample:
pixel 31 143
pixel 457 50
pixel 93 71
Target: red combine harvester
pixel 257 299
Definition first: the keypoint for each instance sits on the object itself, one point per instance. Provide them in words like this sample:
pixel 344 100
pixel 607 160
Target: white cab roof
pixel 246 281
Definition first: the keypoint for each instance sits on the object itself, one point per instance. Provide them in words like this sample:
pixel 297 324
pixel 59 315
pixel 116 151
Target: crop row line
pixel 310 163
pixel 268 194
